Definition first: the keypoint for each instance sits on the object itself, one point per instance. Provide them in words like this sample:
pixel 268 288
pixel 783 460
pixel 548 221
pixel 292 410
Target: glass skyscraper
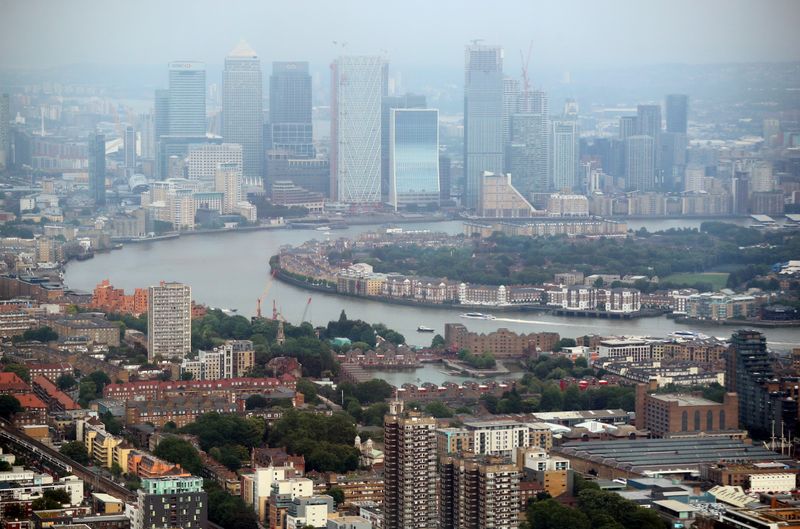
pixel 483 117
pixel 290 109
pixel 387 104
pixel 414 156
pixel 358 84
pixel 187 98
pixel 565 150
pixel 242 120
pixel 639 163
pixel 677 113
pixel 97 169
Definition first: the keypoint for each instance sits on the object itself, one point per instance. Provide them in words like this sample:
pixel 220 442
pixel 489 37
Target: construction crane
pixel 305 310
pixel 264 294
pixel 526 59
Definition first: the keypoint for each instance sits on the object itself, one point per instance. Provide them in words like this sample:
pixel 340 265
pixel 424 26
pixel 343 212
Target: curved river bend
pixel 231 270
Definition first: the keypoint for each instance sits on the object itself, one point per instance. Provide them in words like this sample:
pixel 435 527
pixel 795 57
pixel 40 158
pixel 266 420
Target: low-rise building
pixel 682 415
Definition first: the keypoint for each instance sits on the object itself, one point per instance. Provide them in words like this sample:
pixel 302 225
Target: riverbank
pixel 739 323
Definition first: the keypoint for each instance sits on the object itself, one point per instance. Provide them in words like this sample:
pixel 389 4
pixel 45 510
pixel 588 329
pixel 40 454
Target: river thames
pixel 230 270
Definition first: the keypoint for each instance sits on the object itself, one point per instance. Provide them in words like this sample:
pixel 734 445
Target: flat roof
pixel 548 416
pixel 685 400
pixel 674 505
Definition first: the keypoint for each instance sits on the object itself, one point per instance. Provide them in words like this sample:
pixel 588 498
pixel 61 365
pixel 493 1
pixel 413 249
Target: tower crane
pixel 305 310
pixel 264 294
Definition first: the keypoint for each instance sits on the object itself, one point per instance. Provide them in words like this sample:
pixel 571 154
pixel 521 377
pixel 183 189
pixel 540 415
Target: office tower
pixel 409 475
pixel 677 106
pixel 97 169
pixel 478 492
pixel 175 501
pixel 483 117
pixel 564 157
pixel 242 109
pixel 204 158
pixel 740 194
pixel 169 320
pixel 290 109
pixel 648 120
pixel 672 152
pixel 414 157
pixel 358 84
pixel 388 103
pixel 444 177
pixel 148 143
pixel 129 146
pixel 511 99
pixel 761 178
pixel 748 370
pixel 5 131
pixel 161 114
pixel 639 164
pixel 530 145
pixel 627 126
pixel 187 99
pixel 229 182
pixel 694 179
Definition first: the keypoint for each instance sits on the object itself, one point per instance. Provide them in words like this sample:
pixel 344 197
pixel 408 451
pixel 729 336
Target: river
pixel 230 270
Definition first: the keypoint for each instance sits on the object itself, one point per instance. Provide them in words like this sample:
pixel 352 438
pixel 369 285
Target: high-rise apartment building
pixel 5 131
pixel 747 372
pixel 358 84
pixel 242 114
pixel 564 157
pixel 147 148
pixel 187 98
pixel 483 117
pixel 97 169
pixel 171 502
pixel 639 163
pixel 478 492
pixel 414 157
pixel 229 182
pixel 511 100
pixel 204 158
pixel 409 498
pixel 627 126
pixel 530 144
pixel 761 177
pixel 290 108
pixel 160 114
pixel 388 103
pixel 648 120
pixel 677 106
pixel 169 320
pixel 129 148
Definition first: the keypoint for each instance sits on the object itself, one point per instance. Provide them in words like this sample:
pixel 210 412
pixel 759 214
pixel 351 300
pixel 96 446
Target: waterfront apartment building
pixel 107 298
pixel 409 469
pixel 169 321
pixel 171 502
pixel 358 84
pixel 502 343
pixel 637 350
pixel 499 199
pixel 478 492
pixel 483 118
pixel 242 113
pixel 413 157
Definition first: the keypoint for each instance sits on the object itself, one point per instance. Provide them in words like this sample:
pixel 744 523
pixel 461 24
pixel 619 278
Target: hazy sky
pixel 565 33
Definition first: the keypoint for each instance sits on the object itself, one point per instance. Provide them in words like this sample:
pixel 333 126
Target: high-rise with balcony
pixel 130 149
pixel 169 321
pixel 358 84
pixel 409 497
pixel 639 163
pixel 483 117
pixel 530 144
pixel 228 181
pixel 290 107
pixel 414 157
pixel 97 169
pixel 187 98
pixel 174 501
pixel 242 120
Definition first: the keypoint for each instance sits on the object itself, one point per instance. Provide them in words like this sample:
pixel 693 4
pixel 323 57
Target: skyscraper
pixel 677 106
pixel 174 501
pixel 242 113
pixel 565 154
pixel 97 169
pixel 358 84
pixel 414 157
pixel 161 114
pixel 148 142
pixel 169 321
pixel 747 372
pixel 530 145
pixel 130 149
pixel 229 182
pixel 204 158
pixel 5 131
pixel 511 100
pixel 388 103
pixel 648 120
pixel 483 117
pixel 409 483
pixel 627 126
pixel 290 109
pixel 478 492
pixel 187 98
pixel 639 163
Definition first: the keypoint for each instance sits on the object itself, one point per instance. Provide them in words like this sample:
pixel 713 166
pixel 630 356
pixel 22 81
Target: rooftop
pixel 685 400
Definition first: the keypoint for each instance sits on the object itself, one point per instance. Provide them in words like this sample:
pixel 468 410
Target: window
pixel 709 421
pixel 697 420
pixel 684 421
pixel 722 419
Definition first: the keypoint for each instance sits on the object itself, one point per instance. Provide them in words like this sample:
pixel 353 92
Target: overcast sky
pixel 565 33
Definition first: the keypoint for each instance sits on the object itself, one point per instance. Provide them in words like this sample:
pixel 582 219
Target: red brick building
pixel 675 414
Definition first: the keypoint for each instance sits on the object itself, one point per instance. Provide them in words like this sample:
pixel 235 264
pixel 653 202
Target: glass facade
pixel 290 109
pixel 242 115
pixel 414 157
pixel 187 99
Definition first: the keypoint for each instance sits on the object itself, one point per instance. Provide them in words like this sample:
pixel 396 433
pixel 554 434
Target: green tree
pixel 438 410
pixel 256 402
pixel 51 499
pixel 218 429
pixel 437 342
pixel 549 514
pixel 65 382
pixel 181 452
pixel 76 451
pixel 116 470
pixel 42 334
pixel 9 405
pixel 308 389
pixel 337 494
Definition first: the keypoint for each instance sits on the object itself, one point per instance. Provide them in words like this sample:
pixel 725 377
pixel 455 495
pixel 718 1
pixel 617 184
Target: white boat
pixel 422 328
pixel 323 228
pixel 477 316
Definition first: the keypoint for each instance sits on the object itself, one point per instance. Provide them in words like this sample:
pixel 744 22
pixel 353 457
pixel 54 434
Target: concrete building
pixel 5 131
pixel 680 415
pixel 204 159
pixel 478 493
pixel 228 181
pixel 552 473
pixel 169 321
pixel 97 169
pixel 242 114
pixel 171 502
pixel 640 163
pixel 564 155
pixel 233 359
pixel 637 350
pixel 559 205
pixel 497 438
pixel 623 300
pixel 483 118
pixel 358 86
pixel 530 147
pixel 129 150
pixel 499 199
pixel 409 470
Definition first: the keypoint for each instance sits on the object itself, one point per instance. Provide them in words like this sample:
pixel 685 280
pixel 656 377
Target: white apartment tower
pixel 169 321
pixel 229 182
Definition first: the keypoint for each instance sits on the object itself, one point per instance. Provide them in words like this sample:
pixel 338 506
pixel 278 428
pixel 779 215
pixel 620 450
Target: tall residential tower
pixel 169 321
